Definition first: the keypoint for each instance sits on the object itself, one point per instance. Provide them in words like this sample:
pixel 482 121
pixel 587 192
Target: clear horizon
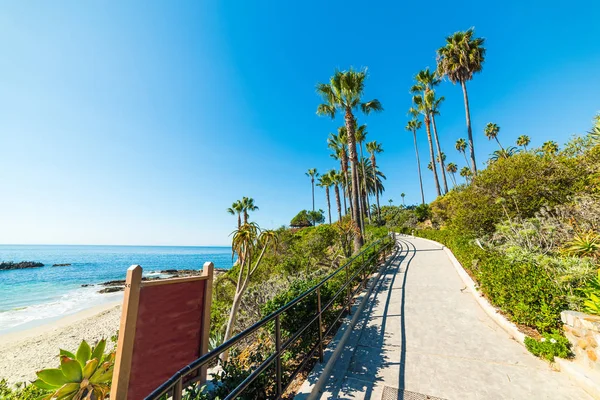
pixel 142 123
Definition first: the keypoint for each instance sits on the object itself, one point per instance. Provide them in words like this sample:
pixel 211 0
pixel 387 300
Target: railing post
pixel 177 390
pixel 278 350
pixel 320 324
pixel 348 287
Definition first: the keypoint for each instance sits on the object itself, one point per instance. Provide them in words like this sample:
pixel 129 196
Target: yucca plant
pixel 84 375
pixel 592 291
pixel 584 244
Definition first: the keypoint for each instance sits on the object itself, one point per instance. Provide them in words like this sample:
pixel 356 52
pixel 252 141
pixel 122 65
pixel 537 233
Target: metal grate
pixel 391 393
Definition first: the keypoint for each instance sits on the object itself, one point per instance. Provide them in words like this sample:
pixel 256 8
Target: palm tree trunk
pixel 433 166
pixel 313 192
pixel 358 239
pixel 453 179
pixel 245 217
pixel 337 200
pixel 499 143
pixel 466 159
pixel 439 151
pixel 364 182
pixel 374 165
pixel 469 131
pixel 419 166
pixel 239 221
pixel 328 203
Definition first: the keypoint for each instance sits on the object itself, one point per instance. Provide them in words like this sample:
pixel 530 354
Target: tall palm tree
pixel 312 174
pixel 462 57
pixel 247 206
pixel 236 208
pixel 413 126
pixel 390 201
pixel 491 132
pixel 375 148
pixel 361 136
pixel 338 143
pixel 423 105
pixel 325 182
pixel 452 168
pixel 524 141
pixel 550 147
pixel 344 93
pixel 336 180
pixel 402 195
pixel 435 111
pixel 466 173
pixel 461 146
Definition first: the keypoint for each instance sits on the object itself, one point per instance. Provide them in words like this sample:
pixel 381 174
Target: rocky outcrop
pixel 61 265
pixel 119 285
pixel 20 265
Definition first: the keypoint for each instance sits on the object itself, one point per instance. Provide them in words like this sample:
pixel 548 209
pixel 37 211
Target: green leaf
pixel 44 385
pixel 83 353
pixel 67 391
pixel 67 353
pixel 71 369
pixel 103 374
pixel 98 351
pixel 90 368
pixel 52 376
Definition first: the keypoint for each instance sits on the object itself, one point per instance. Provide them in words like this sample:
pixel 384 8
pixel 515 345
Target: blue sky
pixel 140 123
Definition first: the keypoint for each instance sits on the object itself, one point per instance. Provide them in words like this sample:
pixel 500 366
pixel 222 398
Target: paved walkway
pixel 423 332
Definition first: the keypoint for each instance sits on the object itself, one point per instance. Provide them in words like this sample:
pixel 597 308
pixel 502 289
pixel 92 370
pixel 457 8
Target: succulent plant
pixel 84 375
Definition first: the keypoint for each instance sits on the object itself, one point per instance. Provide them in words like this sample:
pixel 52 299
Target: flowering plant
pixel 549 346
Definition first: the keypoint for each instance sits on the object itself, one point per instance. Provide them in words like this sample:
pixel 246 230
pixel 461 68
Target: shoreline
pixel 22 353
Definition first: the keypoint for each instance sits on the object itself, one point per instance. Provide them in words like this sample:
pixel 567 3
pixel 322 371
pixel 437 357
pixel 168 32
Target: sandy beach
pixel 23 353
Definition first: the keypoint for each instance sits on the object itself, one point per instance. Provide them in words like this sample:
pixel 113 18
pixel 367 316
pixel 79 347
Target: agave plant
pixel 85 375
pixel 584 244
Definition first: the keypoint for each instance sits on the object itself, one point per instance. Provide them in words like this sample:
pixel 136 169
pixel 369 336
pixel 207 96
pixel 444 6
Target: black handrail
pixel 176 379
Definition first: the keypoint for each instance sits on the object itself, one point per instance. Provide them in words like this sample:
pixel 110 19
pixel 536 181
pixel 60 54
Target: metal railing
pixel 177 384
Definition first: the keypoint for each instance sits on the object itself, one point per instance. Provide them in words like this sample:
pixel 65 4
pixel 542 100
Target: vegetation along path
pixel 423 332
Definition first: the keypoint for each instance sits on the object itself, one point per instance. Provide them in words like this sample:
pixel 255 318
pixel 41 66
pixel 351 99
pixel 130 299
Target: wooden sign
pixel 165 325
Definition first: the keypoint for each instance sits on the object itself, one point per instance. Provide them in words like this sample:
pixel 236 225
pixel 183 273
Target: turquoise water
pixel 30 297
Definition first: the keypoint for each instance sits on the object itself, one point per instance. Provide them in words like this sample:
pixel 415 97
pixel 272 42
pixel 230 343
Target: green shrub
pixel 551 345
pixel 592 293
pixel 20 391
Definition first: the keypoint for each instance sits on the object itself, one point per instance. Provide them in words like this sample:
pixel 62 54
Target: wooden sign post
pixel 165 325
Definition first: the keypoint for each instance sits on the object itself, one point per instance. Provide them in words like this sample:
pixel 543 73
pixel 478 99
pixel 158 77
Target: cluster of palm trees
pixel 358 177
pixel 242 208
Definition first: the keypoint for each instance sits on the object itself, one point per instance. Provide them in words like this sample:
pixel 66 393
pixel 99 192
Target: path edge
pixel 576 373
pixel 321 371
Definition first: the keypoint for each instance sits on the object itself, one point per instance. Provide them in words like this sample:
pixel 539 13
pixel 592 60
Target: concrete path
pixel 422 333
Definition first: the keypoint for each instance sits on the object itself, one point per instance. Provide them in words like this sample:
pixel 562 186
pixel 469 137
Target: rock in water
pixel 20 265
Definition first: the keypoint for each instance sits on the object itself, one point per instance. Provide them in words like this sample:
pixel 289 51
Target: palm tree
pixel 550 147
pixel 247 206
pixel 491 132
pixel 462 57
pixel 236 208
pixel 504 153
pixel 452 168
pixel 325 182
pixel 413 126
pixel 390 201
pixel 466 173
pixel 338 143
pixel 423 105
pixel 524 141
pixel 375 148
pixel 312 174
pixel 373 180
pixel 430 166
pixel 343 93
pixel 402 195
pixel 594 134
pixel 435 111
pixel 336 180
pixel 361 136
pixel 461 146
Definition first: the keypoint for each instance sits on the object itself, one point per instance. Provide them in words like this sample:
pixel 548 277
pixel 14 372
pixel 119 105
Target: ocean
pixel 35 296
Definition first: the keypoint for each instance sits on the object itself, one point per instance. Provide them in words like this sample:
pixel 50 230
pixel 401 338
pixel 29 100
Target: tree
pixel 491 132
pixel 550 147
pixel 402 195
pixel 249 243
pixel 524 141
pixel 325 182
pixel 344 93
pixel 466 173
pixel 336 179
pixel 461 58
pixel 503 153
pixel 375 148
pixel 301 220
pixel 361 136
pixel 461 146
pixel 452 168
pixel 247 206
pixel 316 217
pixel 338 143
pixel 594 134
pixel 312 174
pixel 390 201
pixel 441 158
pixel 236 208
pixel 413 126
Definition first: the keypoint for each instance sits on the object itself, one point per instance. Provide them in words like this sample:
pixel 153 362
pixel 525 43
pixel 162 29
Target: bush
pixel 20 391
pixel 551 345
